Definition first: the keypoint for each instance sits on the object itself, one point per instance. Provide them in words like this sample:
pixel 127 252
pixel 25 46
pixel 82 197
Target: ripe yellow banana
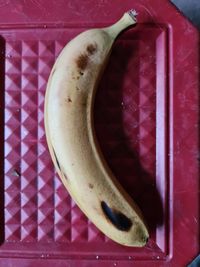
pixel 71 138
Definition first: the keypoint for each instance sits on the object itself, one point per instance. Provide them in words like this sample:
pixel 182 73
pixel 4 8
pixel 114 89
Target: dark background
pixel 190 8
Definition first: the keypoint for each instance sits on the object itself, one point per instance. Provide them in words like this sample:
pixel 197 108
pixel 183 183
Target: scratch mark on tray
pixel 18 10
pixel 37 4
pixel 187 55
pixel 4 3
pixel 40 6
pixel 186 191
pixel 151 12
pixel 195 219
pixel 147 10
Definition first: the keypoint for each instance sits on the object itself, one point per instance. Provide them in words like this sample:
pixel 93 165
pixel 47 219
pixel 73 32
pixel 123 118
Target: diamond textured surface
pixel 37 206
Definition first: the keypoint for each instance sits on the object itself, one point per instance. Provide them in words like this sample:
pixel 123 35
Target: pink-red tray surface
pixel 147 123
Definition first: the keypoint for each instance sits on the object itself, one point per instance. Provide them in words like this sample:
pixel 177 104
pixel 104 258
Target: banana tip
pixel 133 14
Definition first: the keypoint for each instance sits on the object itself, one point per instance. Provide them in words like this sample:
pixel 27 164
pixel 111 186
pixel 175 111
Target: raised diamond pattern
pixel 37 206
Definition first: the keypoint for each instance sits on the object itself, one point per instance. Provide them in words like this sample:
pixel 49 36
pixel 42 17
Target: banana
pixel 71 136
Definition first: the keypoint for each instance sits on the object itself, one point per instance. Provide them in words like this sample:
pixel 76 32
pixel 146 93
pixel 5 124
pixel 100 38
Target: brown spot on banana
pixel 91 186
pixel 82 62
pixel 91 48
pixel 84 103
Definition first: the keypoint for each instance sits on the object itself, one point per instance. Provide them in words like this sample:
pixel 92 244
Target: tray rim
pixel 174 26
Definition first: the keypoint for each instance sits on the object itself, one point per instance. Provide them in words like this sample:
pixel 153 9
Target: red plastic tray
pixel 147 122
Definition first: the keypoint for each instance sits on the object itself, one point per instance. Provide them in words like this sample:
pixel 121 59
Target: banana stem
pixel 128 19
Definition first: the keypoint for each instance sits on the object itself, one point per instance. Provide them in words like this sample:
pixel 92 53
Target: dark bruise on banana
pixel 118 219
pixel 83 59
pixel 121 221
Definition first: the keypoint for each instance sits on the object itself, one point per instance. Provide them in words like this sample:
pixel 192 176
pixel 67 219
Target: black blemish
pixel 81 73
pixel 77 88
pixel 64 175
pixel 58 165
pixel 57 162
pixel 118 219
pixel 69 100
pixel 53 71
